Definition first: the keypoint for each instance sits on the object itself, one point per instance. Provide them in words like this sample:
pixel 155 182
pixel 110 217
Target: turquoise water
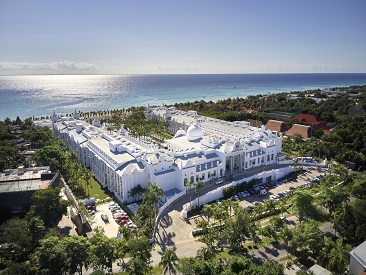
pixel 39 95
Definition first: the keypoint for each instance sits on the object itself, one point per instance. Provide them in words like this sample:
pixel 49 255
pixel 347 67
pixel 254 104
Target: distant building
pixel 277 126
pixel 315 123
pixel 357 110
pixel 18 185
pixel 303 130
pixel 357 264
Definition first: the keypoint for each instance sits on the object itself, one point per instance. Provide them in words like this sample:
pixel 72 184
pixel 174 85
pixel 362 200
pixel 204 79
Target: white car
pixel 219 181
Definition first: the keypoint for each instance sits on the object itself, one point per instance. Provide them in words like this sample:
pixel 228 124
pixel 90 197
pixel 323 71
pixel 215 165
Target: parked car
pixel 104 216
pixel 219 181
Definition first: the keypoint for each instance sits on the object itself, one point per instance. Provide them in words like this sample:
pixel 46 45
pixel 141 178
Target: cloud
pixel 53 66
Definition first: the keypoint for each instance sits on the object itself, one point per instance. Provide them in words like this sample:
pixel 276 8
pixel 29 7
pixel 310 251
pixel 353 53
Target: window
pixel 267 157
pixel 272 157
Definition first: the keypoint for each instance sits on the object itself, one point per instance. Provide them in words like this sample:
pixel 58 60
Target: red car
pixel 91 207
pixel 121 223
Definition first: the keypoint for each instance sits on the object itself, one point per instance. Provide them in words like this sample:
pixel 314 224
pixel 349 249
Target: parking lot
pixel 281 188
pixel 110 217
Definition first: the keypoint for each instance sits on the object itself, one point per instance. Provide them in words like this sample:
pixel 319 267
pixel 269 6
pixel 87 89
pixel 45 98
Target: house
pixel 303 130
pixel 277 126
pixel 315 123
pixel 357 264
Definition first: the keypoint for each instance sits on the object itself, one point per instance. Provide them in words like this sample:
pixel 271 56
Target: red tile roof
pixel 316 123
pixel 276 125
pixel 303 130
pixel 321 126
pixel 307 119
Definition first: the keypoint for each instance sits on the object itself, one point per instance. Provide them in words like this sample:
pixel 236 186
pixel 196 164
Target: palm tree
pixel 208 209
pixel 198 185
pixel 205 254
pixel 270 205
pixel 169 262
pixel 136 191
pixel 86 174
pixel 136 266
pixel 286 236
pixel 153 195
pixel 189 185
pixel 338 259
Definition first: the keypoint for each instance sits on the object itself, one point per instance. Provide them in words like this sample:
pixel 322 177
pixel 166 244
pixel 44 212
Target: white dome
pixel 180 133
pixel 194 132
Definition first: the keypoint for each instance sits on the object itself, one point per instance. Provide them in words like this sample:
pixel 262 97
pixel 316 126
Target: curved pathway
pixel 175 233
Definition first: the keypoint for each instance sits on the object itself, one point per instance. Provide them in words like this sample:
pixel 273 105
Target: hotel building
pixel 202 149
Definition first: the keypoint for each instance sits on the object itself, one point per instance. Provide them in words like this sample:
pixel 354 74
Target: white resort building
pixel 202 149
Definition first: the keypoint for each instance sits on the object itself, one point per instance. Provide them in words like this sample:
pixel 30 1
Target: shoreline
pixel 39 95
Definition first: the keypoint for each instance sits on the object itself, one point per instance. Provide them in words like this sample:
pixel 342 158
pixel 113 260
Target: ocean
pixel 40 95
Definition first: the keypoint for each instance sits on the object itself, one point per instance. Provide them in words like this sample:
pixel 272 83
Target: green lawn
pixel 95 190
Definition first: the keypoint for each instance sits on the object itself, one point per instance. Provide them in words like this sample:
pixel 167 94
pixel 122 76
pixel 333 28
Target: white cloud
pixel 53 66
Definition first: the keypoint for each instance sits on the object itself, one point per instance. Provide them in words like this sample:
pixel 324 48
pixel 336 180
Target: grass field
pixel 95 190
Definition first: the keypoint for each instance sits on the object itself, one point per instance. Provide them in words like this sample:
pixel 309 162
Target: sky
pixel 181 37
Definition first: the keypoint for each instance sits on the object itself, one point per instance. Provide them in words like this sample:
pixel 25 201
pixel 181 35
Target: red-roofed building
pixel 315 123
pixel 303 130
pixel 276 125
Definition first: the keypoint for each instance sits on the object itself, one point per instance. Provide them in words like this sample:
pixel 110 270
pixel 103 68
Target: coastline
pixel 39 96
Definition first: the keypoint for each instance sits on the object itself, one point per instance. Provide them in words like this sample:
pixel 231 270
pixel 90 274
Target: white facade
pixel 202 149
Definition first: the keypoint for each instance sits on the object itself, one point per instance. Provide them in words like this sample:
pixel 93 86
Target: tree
pixel 270 268
pixel 338 259
pixel 286 237
pixel 136 191
pixel 78 253
pixel 103 250
pixel 51 256
pixel 270 205
pixel 152 195
pixel 169 262
pixel 332 198
pixel 240 228
pixel 136 266
pixel 36 228
pixel 306 238
pixel 205 253
pixel 302 204
pixel 17 237
pixel 48 206
pixel 189 185
pixel 140 248
pixel 198 185
pixel 86 174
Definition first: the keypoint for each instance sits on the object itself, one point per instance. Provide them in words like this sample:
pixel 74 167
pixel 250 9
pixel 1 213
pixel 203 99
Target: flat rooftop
pixel 23 185
pixel 23 179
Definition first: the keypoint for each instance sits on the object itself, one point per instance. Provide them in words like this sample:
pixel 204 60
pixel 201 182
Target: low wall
pixel 217 193
pixel 161 210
